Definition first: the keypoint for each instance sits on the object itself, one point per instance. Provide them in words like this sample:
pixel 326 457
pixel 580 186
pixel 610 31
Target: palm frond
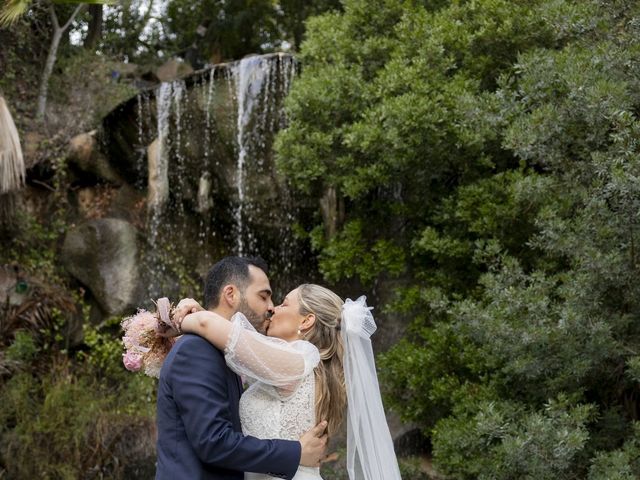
pixel 35 309
pixel 95 2
pixel 11 10
pixel 12 168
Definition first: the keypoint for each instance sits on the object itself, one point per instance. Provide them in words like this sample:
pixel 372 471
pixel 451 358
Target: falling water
pixel 204 183
pixel 168 150
pixel 143 114
pixel 141 152
pixel 211 175
pixel 179 102
pixel 157 157
pixel 207 131
pixel 249 75
pixel 255 81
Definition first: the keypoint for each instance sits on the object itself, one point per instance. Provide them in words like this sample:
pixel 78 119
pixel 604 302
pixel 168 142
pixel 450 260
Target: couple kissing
pixel 309 366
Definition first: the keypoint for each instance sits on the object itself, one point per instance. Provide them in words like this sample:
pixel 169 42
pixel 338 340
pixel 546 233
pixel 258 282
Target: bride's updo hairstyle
pixel 331 395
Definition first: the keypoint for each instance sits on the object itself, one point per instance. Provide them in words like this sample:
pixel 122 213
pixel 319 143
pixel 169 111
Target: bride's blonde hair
pixel 331 395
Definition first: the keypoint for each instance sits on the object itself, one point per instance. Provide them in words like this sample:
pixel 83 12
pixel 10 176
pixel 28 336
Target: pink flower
pixel 132 361
pixel 145 348
pixel 128 342
pixel 146 321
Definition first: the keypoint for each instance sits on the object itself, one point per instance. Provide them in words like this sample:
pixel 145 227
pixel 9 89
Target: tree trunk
pixel 51 58
pixel 95 27
pixel 48 68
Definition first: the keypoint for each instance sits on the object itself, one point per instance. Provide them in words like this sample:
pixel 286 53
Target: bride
pixel 315 362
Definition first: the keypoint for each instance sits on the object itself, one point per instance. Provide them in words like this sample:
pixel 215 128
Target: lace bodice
pixel 280 401
pixel 264 415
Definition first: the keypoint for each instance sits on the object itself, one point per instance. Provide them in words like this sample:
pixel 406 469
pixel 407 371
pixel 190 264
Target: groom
pixel 199 431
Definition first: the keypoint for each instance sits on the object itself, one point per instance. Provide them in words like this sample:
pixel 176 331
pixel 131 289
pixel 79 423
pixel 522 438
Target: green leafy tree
pixel 484 152
pixel 215 30
pixel 130 31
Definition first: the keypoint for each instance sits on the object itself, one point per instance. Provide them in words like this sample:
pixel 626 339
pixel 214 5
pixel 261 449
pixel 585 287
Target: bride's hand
pixel 185 307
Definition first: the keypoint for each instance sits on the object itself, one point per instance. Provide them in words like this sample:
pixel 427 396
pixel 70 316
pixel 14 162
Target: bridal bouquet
pixel 147 339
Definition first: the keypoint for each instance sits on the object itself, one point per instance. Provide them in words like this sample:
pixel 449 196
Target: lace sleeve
pixel 269 360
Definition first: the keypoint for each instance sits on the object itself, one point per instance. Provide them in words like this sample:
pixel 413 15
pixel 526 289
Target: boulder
pixel 158 187
pixel 85 154
pixel 127 70
pixel 31 144
pixel 102 254
pixel 172 69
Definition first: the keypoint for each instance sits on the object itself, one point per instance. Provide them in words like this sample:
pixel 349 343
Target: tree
pixel 95 26
pixel 483 152
pixel 213 30
pixel 13 9
pixel 294 13
pixel 131 32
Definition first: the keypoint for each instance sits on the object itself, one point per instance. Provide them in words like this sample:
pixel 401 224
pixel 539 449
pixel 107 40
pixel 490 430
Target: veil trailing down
pixel 370 454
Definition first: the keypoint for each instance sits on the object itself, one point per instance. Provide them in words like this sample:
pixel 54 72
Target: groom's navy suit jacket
pixel 199 433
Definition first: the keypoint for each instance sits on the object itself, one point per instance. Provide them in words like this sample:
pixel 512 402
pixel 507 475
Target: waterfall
pixel 158 186
pixel 163 151
pixel 179 102
pixel 255 80
pixel 249 75
pixel 211 184
pixel 207 131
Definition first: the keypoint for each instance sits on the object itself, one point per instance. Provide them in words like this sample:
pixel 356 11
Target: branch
pixel 46 185
pixel 145 19
pixel 54 17
pixel 73 15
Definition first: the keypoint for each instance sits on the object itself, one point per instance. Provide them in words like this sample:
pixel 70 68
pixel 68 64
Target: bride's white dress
pixel 280 401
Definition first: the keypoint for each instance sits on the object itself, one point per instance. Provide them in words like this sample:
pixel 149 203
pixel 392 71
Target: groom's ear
pixel 229 294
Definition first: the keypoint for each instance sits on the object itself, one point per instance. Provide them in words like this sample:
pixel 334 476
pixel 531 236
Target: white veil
pixel 370 454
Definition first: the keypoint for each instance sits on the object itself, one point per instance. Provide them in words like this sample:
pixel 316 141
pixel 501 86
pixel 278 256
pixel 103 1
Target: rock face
pixel 102 255
pixel 158 183
pixel 172 69
pixel 85 154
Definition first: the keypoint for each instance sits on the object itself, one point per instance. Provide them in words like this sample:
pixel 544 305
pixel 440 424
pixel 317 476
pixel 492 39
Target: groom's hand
pixel 314 445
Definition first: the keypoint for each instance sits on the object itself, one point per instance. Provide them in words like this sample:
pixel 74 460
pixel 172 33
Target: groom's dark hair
pixel 229 270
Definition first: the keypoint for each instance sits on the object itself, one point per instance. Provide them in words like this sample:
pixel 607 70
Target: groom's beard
pixel 258 321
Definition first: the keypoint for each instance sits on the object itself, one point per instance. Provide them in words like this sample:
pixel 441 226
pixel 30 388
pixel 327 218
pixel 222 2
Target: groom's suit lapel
pixel 240 386
pixel 237 381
